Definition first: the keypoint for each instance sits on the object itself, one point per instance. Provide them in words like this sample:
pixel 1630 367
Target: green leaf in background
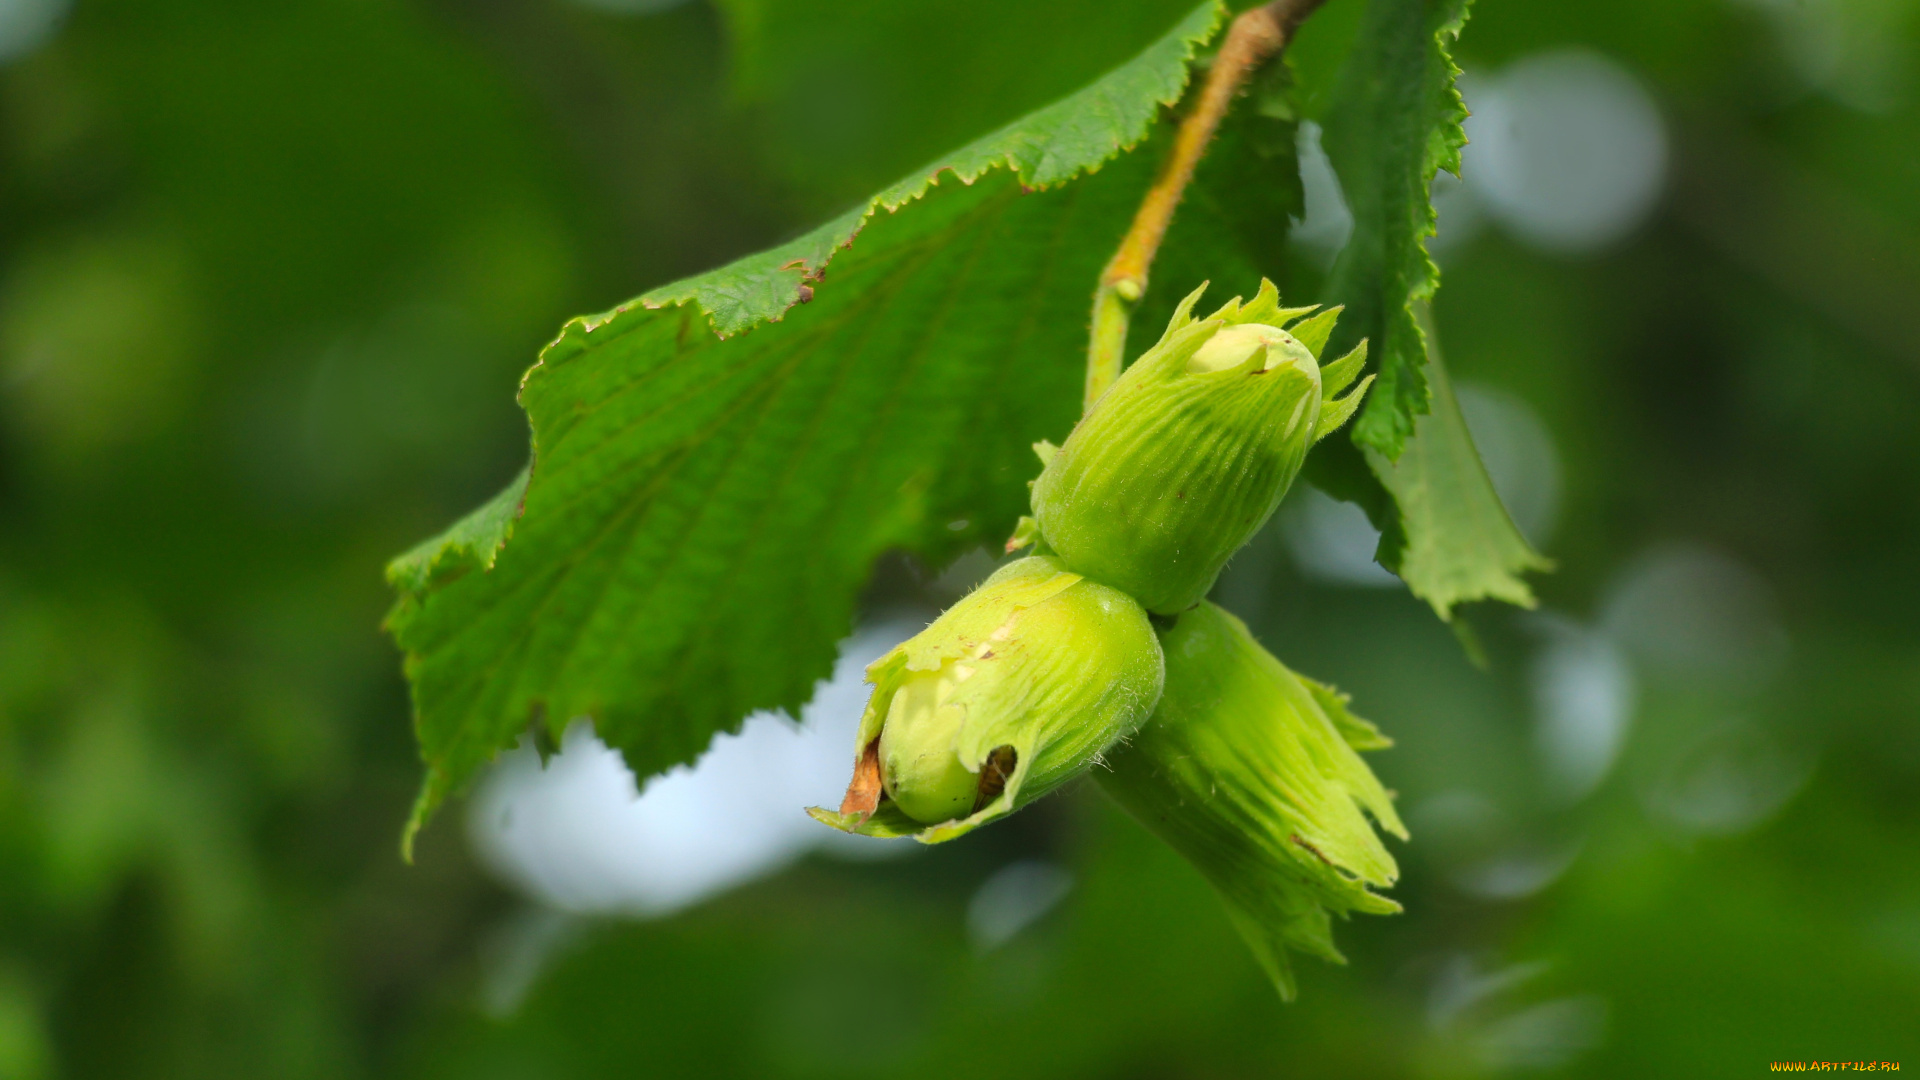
pixel 1455 541
pixel 1394 122
pixel 704 503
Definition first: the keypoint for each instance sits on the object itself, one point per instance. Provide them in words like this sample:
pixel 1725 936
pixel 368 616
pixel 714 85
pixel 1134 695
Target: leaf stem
pixel 1255 37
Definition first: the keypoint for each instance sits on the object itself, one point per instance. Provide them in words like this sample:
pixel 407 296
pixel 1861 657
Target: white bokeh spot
pixel 1565 149
pixel 575 836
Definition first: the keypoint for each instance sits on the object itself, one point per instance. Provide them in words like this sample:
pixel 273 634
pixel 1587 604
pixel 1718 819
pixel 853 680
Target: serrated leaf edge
pixel 792 269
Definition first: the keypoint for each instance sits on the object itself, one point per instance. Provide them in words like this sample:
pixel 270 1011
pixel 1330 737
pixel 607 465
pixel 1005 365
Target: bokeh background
pixel 268 273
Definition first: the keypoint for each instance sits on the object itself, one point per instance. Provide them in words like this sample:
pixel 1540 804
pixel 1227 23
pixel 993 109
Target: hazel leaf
pixel 705 502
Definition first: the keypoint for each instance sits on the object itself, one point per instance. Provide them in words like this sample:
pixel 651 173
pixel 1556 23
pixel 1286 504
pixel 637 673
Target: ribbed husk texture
pixel 1043 661
pixel 1251 772
pixel 1174 469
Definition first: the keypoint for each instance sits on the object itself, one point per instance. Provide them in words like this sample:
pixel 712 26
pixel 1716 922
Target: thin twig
pixel 1254 38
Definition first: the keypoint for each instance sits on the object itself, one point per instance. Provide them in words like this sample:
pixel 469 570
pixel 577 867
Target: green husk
pixel 1183 460
pixel 1038 659
pixel 1251 772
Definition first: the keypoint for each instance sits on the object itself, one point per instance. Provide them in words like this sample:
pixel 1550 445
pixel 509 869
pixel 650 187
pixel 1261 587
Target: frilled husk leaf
pixel 1250 771
pixel 1050 664
pixel 1174 469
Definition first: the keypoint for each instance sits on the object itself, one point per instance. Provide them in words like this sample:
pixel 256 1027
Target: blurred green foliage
pixel 268 274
